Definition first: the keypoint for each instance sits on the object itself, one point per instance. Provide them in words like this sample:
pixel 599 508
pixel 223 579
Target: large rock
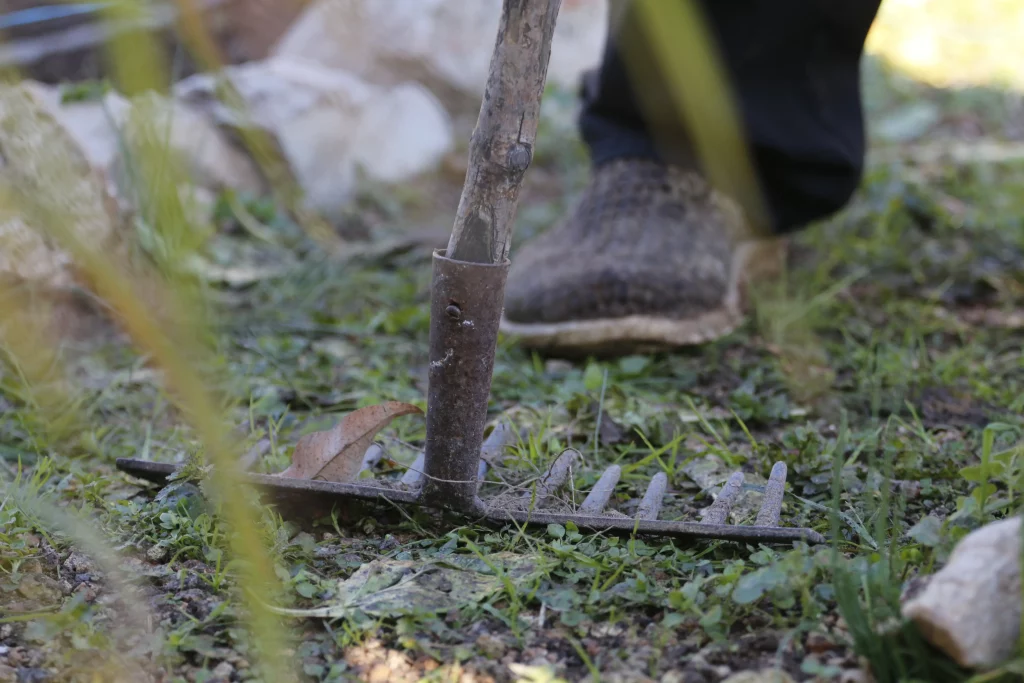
pixel 45 178
pixel 970 609
pixel 444 44
pixel 101 128
pixel 330 125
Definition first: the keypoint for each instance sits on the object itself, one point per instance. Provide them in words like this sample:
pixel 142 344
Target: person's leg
pixel 647 256
pixel 795 74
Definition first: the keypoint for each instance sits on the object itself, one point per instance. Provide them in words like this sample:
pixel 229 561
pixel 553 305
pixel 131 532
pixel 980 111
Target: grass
pixel 886 372
pixel 933 396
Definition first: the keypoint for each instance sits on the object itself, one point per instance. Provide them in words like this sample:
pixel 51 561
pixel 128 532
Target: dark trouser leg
pixel 794 67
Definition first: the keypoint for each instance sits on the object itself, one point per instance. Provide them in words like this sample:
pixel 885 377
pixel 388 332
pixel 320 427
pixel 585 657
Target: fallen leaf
pixel 337 454
pixel 393 588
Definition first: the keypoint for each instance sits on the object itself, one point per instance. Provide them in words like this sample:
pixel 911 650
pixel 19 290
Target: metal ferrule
pixel 465 310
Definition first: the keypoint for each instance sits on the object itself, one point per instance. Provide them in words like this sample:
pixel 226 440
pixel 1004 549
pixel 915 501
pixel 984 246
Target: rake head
pixel 537 504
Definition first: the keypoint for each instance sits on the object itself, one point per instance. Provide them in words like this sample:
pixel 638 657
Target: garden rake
pixel 467 300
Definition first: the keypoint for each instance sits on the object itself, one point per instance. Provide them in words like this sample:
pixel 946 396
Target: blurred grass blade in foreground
pixel 667 46
pixel 58 193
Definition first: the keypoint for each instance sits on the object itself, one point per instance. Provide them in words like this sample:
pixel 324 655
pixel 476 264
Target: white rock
pixel 44 172
pixel 48 179
pixel 93 125
pixel 223 671
pixel 332 126
pixel 441 43
pixel 400 133
pixel 970 609
pixel 100 130
pixel 211 161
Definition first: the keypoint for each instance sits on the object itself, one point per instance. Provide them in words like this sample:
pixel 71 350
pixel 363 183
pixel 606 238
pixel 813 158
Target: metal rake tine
pixel 602 491
pixel 500 438
pixel 718 512
pixel 650 504
pixel 556 475
pixel 774 490
pixel 372 456
pixel 413 476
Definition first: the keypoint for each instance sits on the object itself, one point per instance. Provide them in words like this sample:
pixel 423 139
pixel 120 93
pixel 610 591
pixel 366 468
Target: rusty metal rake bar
pixel 540 505
pixel 466 304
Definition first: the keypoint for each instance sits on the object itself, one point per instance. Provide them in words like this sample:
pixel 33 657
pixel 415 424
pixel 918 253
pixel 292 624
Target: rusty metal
pixel 278 488
pixel 718 512
pixel 774 490
pixel 465 311
pixel 590 516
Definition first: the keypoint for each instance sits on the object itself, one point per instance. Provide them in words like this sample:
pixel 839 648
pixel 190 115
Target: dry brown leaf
pixel 337 454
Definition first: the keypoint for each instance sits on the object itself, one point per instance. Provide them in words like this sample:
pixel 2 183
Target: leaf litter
pixel 337 454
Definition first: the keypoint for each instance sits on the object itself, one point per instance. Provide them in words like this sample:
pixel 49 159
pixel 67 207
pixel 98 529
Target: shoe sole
pixel 752 262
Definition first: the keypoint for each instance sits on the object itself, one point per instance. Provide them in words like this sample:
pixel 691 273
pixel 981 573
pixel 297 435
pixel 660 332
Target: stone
pixel 210 160
pixel 223 671
pixel 331 126
pixel 491 646
pixel 156 553
pixel 444 44
pixel 91 125
pixel 103 128
pixel 40 589
pixel 970 609
pixel 44 173
pixel 77 563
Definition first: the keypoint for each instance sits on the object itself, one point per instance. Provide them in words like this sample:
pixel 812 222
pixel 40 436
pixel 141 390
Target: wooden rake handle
pixel 502 144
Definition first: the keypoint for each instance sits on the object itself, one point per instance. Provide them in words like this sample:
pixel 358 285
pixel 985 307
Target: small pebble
pixel 77 563
pixel 223 670
pixel 381 673
pixel 40 588
pixel 157 553
pixel 490 646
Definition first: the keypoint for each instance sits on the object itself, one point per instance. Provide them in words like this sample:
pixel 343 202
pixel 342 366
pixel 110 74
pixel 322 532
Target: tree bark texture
pixel 502 144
